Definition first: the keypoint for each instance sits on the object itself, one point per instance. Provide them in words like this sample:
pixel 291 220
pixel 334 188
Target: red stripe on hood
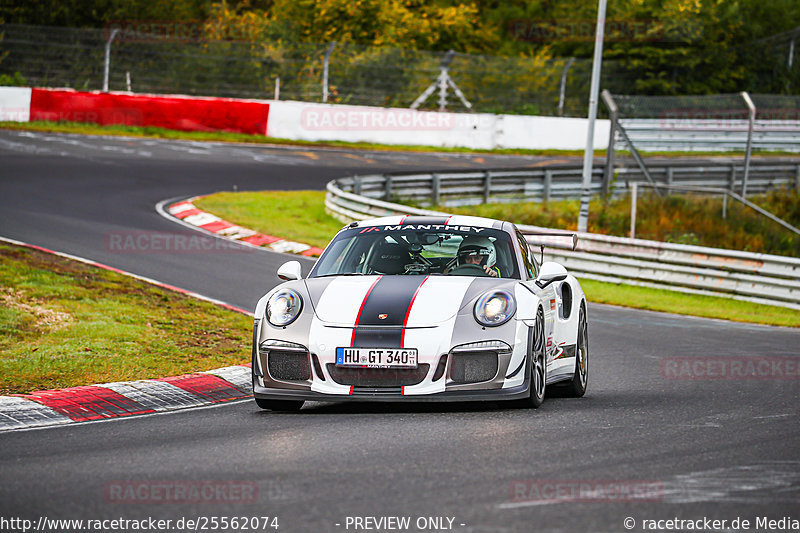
pixel 360 309
pixel 408 312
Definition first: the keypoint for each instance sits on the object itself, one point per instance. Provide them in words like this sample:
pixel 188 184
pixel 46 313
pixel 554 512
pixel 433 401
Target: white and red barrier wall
pixel 301 120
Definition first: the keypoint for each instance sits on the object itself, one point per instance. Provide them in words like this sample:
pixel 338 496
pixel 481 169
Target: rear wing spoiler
pixel 552 239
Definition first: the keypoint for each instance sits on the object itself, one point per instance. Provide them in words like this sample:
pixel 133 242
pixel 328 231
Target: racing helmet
pixel 477 246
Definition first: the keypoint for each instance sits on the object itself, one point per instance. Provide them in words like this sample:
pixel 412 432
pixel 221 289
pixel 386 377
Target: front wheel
pixel 538 366
pixel 279 405
pixel 577 387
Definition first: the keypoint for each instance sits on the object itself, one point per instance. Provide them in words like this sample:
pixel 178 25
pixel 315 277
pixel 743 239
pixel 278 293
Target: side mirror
pixel 290 271
pixel 549 273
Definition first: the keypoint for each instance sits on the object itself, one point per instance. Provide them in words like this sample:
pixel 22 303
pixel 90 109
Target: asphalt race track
pixel 641 445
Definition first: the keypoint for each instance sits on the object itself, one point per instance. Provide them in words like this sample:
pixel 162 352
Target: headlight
pixel 283 307
pixel 495 308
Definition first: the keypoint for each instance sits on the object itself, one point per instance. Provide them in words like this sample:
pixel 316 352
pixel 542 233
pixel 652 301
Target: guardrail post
pixel 387 195
pixel 435 189
pixel 548 183
pixel 487 186
pixel 669 176
pixel 357 185
pixel 732 178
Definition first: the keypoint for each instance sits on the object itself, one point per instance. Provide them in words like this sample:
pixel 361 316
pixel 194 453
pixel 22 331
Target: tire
pixel 580 379
pixel 279 405
pixel 537 368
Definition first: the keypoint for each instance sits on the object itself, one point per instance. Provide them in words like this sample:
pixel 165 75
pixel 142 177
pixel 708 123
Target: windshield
pixel 417 250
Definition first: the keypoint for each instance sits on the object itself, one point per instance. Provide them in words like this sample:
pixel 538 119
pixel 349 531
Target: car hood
pixel 409 301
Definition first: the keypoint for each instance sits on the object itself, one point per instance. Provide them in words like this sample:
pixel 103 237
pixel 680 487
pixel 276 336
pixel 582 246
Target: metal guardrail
pixel 708 135
pixel 759 278
pixel 559 182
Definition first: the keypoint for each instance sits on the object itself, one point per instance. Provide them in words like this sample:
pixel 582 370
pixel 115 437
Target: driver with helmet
pixel 478 251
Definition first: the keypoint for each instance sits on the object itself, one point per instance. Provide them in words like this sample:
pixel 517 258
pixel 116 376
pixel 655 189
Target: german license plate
pixel 377 357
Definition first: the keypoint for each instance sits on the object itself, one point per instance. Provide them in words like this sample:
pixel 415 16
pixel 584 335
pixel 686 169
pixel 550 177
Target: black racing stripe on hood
pixel 391 296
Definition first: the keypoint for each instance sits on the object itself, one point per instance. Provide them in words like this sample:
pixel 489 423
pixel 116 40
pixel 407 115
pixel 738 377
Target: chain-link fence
pixel 361 75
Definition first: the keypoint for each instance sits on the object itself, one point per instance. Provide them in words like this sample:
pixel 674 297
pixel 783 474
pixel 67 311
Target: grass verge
pixel 301 216
pixel 222 136
pixel 294 215
pixel 689 304
pixel 64 323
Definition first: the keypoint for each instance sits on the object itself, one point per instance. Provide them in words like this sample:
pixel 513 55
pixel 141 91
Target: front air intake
pixel 473 367
pixel 288 366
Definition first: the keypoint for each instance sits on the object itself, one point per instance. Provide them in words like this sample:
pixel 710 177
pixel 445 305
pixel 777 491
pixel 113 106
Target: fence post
pixel 487 186
pixel 633 209
pixel 388 187
pixel 278 88
pixel 548 183
pixel 563 91
pixel 613 113
pixel 107 62
pixel 724 206
pixel 325 62
pixel 751 120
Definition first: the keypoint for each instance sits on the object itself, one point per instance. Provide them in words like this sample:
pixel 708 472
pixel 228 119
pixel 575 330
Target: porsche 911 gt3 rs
pixel 421 309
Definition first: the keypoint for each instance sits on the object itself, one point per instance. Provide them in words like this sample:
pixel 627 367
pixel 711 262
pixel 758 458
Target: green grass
pixel 294 215
pixel 301 216
pixel 222 136
pixel 64 323
pixel 688 304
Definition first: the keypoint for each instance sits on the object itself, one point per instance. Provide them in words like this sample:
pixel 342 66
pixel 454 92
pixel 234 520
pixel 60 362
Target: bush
pixel 13 80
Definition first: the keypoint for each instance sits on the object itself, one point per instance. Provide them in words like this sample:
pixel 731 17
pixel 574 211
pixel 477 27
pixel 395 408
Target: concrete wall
pixel 302 120
pixel 329 122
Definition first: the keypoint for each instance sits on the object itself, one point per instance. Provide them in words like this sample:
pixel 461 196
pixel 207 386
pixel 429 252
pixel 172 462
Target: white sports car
pixel 421 309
